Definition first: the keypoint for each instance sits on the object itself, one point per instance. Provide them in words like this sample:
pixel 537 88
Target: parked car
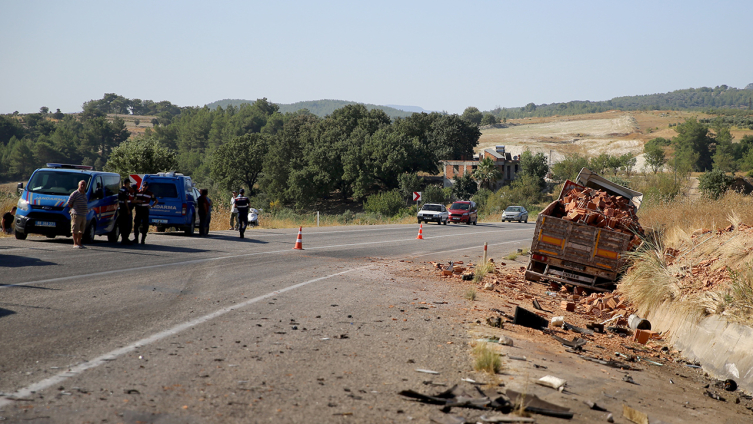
pixel 177 207
pixel 463 211
pixel 515 213
pixel 432 212
pixel 42 208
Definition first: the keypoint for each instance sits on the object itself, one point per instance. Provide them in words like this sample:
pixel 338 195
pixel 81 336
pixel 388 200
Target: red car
pixel 463 211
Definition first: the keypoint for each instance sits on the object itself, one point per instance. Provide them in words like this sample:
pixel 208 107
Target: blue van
pixel 177 204
pixel 43 209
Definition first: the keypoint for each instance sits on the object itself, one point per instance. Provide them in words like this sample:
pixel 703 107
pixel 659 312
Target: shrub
pixel 436 194
pixel 388 203
pixel 714 183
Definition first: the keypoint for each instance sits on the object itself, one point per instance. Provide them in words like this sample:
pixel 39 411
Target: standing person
pixel 79 207
pixel 204 212
pixel 242 203
pixel 7 221
pixel 142 202
pixel 233 212
pixel 125 218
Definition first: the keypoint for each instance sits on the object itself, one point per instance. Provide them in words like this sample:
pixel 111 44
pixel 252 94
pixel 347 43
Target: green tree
pixel 600 163
pixel 627 163
pixel 693 142
pixel 144 155
pixel 654 156
pixel 487 173
pixel 58 115
pixel 464 187
pixel 534 166
pixel 530 107
pixel 472 115
pixel 388 203
pixel 489 119
pixel 239 162
pixel 569 167
pixel 435 194
pixel 714 183
pixel 409 182
pixel 523 191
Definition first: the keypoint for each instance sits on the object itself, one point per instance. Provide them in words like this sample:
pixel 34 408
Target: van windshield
pixel 164 190
pixel 56 182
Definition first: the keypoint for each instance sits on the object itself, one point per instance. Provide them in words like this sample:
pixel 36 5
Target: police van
pixel 43 206
pixel 177 206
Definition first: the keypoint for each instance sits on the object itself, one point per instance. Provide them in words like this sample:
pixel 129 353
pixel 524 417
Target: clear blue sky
pixel 440 55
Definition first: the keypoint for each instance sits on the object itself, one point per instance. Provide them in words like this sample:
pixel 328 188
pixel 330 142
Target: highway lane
pixel 60 307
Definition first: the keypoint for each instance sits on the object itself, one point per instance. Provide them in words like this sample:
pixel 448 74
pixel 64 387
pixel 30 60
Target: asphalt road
pixel 220 329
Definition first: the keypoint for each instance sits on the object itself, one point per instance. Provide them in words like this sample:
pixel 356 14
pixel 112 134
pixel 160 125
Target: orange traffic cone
pixel 420 232
pixel 299 241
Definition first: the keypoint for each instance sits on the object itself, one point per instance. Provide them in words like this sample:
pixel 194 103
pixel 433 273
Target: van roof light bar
pixel 69 166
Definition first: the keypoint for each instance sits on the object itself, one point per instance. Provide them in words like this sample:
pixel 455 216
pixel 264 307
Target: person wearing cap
pixel 125 218
pixel 142 201
pixel 242 203
pixel 233 212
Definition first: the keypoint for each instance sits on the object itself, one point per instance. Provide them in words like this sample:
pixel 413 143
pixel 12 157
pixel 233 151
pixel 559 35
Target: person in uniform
pixel 125 218
pixel 242 203
pixel 204 212
pixel 142 202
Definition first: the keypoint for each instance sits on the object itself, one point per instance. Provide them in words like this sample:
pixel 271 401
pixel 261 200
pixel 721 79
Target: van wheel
pixel 190 228
pixel 20 235
pixel 89 232
pixel 160 229
pixel 50 236
pixel 113 235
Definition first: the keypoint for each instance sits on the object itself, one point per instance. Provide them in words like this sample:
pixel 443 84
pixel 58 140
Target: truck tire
pixel 190 228
pixel 89 232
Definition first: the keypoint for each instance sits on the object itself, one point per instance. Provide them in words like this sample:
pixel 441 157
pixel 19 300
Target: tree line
pixel 718 100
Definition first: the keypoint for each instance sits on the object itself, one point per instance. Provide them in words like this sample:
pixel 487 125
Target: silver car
pixel 515 213
pixel 433 212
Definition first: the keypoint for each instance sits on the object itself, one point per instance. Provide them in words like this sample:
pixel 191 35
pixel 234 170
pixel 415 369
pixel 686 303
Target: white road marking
pixel 244 255
pixel 75 370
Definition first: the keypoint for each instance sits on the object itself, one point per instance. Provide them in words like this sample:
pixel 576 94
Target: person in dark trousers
pixel 242 203
pixel 7 222
pixel 204 212
pixel 125 218
pixel 143 202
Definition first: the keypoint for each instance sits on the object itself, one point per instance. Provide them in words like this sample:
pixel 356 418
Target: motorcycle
pixel 253 217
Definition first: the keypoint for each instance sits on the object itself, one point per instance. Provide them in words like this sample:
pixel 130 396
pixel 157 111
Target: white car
pixel 433 212
pixel 515 213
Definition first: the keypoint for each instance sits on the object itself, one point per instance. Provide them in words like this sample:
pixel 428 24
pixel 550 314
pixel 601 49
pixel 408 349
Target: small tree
pixel 435 194
pixel 487 173
pixel 136 122
pixel 409 182
pixel 714 183
pixel 141 156
pixel 239 161
pixel 463 188
pixel 655 158
pixel 388 203
pixel 489 119
pixel 472 115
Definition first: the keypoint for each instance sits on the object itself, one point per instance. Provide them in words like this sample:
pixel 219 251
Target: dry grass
pixel 481 271
pixel 470 294
pixel 486 359
pixel 695 273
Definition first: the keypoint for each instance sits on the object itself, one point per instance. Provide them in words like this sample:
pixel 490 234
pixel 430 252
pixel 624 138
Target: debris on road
pixel 529 319
pixel 426 371
pixel 634 415
pixel 533 404
pixel 551 381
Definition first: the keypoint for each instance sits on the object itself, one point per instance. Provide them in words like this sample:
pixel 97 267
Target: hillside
pixel 722 99
pixel 319 108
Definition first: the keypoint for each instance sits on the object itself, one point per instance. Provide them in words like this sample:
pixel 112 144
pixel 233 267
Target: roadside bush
pixel 523 191
pixel 463 188
pixel 388 203
pixel 714 183
pixel 436 194
pixel 481 197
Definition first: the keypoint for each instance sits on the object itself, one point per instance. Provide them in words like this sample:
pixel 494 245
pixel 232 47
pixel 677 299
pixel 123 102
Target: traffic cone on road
pixel 420 232
pixel 299 241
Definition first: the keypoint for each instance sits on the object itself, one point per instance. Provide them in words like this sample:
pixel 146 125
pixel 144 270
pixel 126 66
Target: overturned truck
pixel 581 238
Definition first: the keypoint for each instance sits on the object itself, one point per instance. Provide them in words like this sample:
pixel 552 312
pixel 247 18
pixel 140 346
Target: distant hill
pixel 413 109
pixel 721 99
pixel 319 108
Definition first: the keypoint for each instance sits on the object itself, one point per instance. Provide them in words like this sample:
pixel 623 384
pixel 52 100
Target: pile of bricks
pixel 599 209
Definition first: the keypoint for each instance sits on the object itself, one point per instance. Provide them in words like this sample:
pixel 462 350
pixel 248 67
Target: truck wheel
pixel 20 235
pixel 89 232
pixel 190 228
pixel 113 235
